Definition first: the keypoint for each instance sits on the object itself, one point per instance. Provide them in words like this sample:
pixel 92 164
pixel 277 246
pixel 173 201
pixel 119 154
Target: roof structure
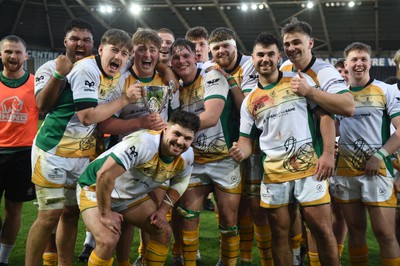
pixel 335 24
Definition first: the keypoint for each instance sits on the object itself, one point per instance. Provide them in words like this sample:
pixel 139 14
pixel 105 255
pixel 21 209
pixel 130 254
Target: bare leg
pixel 39 234
pixel 319 221
pixel 66 234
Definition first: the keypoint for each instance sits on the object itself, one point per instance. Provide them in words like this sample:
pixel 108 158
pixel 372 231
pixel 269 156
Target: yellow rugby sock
pixel 229 248
pixel 94 260
pixel 246 231
pixel 313 259
pixel 141 248
pixel 340 250
pixel 156 254
pixel 390 262
pixel 124 263
pixel 49 259
pixel 295 241
pixel 168 215
pixel 190 245
pixel 358 255
pixel 264 238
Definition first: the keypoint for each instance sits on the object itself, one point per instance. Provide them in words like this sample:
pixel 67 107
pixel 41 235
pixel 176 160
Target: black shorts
pixel 16 175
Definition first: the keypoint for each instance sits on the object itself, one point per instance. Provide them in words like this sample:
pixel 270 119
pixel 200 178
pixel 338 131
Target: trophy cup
pixel 157 97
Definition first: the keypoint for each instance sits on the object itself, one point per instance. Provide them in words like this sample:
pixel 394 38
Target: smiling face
pixel 78 44
pixel 224 54
pixel 167 40
pixel 358 63
pixel 113 57
pixel 265 59
pixel 13 55
pixel 297 48
pixel 176 140
pixel 145 59
pixel 183 62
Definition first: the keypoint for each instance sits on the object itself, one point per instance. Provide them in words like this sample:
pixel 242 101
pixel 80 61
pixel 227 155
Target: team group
pixel 258 134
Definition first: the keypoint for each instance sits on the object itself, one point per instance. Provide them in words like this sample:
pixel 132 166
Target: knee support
pixel 229 231
pixel 187 214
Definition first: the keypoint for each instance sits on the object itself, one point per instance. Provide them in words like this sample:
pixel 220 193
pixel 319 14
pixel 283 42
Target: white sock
pixel 89 239
pixel 5 252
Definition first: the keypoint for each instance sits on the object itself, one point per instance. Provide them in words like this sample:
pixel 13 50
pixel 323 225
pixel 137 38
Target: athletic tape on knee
pixel 50 199
pixel 187 214
pixel 229 231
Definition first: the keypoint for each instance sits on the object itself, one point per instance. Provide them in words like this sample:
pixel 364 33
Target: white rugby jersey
pixel 324 75
pixel 146 169
pixel 244 72
pixel 210 144
pixel 62 133
pixel 368 129
pixel 287 138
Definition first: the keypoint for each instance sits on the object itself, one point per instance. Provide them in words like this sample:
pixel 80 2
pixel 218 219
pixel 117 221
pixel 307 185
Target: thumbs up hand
pixel 300 85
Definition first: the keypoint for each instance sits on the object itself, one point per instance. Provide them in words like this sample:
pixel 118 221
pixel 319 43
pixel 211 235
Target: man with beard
pixel 330 93
pixel 65 141
pixel 78 42
pixel 18 125
pixel 114 188
pixel 226 55
pixel 291 168
pixel 167 37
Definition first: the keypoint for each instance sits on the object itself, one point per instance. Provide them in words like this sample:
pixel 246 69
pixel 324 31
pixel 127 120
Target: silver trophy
pixel 157 97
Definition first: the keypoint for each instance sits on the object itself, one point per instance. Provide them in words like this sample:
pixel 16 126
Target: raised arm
pixel 48 95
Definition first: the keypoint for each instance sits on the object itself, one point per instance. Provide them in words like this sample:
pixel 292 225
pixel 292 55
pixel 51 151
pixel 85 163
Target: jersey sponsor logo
pixel 10 110
pixel 38 79
pixel 132 152
pixel 320 188
pixel 253 77
pixel 56 174
pixel 213 81
pixel 382 191
pixel 88 83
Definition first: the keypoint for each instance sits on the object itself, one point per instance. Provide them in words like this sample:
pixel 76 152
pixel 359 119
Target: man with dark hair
pixel 115 187
pixel 291 172
pixel 66 141
pixel 339 65
pixel 199 36
pixel 18 125
pixel 330 93
pixel 78 42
